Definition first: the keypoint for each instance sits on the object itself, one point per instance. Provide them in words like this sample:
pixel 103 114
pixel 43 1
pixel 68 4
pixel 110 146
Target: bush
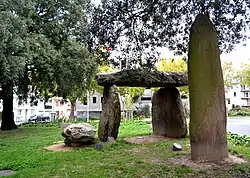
pixel 239 111
pixel 143 111
pixel 238 139
pixel 39 124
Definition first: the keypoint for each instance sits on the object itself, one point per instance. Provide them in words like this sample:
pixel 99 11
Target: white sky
pixel 241 54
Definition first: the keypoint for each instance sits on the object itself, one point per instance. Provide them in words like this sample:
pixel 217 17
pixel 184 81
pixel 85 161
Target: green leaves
pixel 12 37
pixel 40 48
pixel 137 28
pixel 78 68
pixel 241 140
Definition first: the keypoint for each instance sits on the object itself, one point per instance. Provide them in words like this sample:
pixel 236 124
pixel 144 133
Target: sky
pixel 240 54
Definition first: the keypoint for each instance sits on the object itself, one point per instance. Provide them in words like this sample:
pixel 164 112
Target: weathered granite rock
pixel 168 117
pixel 79 133
pixel 143 78
pixel 208 131
pixel 111 114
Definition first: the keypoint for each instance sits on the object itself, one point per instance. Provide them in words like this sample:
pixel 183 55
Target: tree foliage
pixel 41 53
pixel 173 65
pixel 78 70
pixel 244 74
pixel 229 73
pixel 137 28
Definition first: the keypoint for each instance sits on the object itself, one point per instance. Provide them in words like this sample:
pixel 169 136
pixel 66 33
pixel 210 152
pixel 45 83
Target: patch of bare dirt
pixel 146 139
pixel 62 147
pixel 186 161
pixel 59 147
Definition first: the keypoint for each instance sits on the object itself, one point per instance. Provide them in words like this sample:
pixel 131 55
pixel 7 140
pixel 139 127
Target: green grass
pixel 23 150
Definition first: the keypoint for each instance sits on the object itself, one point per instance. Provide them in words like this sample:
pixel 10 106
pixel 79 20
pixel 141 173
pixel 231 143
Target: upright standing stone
pixel 168 117
pixel 207 96
pixel 111 114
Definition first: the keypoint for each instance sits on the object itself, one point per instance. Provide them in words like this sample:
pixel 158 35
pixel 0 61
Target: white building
pixel 55 107
pixel 93 105
pixel 237 95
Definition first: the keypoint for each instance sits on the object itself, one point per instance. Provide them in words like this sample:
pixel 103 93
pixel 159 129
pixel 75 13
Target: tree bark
pixel 207 96
pixel 7 113
pixel 168 118
pixel 72 109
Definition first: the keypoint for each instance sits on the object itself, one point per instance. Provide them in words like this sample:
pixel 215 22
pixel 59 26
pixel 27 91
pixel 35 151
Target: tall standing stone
pixel 207 96
pixel 111 114
pixel 168 118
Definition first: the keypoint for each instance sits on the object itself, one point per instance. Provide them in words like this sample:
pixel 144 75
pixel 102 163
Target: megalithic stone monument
pixel 208 137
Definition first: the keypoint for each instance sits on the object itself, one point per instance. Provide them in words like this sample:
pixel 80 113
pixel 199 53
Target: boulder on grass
pixel 79 133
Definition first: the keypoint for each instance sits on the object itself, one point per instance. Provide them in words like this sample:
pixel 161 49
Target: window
pixel 234 94
pixel 85 102
pixel 247 94
pixel 145 98
pixel 101 99
pixel 47 107
pixel 94 99
pixel 228 101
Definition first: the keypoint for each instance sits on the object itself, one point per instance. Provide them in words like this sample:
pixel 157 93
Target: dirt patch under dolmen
pixel 60 146
pixel 146 139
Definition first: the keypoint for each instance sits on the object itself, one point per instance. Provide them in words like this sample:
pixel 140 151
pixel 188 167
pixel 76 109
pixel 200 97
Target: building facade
pixel 237 95
pixel 54 107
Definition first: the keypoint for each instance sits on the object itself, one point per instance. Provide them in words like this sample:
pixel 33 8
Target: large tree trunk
pixel 7 114
pixel 72 110
pixel 168 118
pixel 207 96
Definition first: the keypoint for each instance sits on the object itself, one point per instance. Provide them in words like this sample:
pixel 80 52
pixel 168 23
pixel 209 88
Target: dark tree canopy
pixel 41 51
pixel 137 27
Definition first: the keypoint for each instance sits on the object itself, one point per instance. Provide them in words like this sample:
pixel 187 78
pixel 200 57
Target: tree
pixel 79 68
pixel 32 48
pixel 142 26
pixel 173 65
pixel 244 74
pixel 94 85
pixel 229 73
pixel 12 58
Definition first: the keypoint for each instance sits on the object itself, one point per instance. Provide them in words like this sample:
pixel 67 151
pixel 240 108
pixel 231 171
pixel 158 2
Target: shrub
pixel 239 140
pixel 239 111
pixel 39 124
pixel 142 111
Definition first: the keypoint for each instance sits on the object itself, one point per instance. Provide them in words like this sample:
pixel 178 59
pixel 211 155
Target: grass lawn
pixel 23 151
